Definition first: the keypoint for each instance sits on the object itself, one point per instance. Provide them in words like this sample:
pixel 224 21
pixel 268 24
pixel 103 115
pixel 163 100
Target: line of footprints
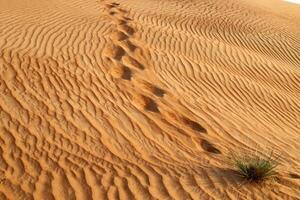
pixel 124 56
pixel 120 51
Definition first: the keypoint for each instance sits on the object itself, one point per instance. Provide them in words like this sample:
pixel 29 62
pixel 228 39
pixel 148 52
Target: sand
pixel 145 99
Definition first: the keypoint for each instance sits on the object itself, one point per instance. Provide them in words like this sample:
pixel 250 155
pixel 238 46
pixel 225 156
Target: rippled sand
pixel 145 99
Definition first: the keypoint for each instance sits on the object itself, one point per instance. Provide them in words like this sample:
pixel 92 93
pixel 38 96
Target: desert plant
pixel 254 167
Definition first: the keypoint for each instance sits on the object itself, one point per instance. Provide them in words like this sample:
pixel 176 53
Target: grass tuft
pixel 255 168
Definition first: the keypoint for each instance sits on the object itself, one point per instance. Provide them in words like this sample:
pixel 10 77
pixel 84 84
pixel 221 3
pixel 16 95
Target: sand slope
pixel 145 99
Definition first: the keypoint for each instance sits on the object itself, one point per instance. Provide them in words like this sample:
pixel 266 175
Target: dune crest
pixel 145 99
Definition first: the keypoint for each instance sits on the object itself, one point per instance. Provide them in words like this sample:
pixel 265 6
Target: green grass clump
pixel 255 168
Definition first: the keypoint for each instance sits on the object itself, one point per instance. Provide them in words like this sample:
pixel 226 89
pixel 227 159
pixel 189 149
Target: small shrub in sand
pixel 255 168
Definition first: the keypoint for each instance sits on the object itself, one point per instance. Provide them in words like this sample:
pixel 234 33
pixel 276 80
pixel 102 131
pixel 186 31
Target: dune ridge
pixel 146 99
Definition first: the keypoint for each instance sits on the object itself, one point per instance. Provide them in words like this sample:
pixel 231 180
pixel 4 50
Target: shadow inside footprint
pixel 115 4
pixel 127 74
pixel 152 106
pixel 131 62
pixel 194 125
pixel 118 36
pixel 295 176
pixel 112 13
pixel 122 10
pixel 127 45
pixel 113 51
pixel 158 92
pixel 207 146
pixel 120 21
pixel 145 103
pixel 126 29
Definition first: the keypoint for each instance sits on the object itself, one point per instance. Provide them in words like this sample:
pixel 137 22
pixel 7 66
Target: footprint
pixel 127 18
pixel 122 10
pixel 110 6
pixel 119 21
pixel 152 106
pixel 127 45
pixel 2 180
pixel 145 103
pixel 181 121
pixel 131 62
pixel 117 11
pixel 121 71
pixel 295 176
pixel 112 13
pixel 158 92
pixel 118 36
pixel 113 51
pixel 150 88
pixel 207 146
pixel 126 29
pixel 194 125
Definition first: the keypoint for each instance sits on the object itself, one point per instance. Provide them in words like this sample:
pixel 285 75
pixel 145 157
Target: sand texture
pixel 145 99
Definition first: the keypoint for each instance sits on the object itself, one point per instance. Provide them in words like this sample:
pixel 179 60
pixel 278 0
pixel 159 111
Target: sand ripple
pixel 144 99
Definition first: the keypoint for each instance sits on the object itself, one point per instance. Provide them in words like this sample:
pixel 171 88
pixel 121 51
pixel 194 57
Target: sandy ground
pixel 145 99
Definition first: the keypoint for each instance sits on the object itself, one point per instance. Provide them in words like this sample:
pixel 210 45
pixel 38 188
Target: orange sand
pixel 144 99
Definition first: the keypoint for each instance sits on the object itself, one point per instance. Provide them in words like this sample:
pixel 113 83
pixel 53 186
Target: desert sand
pixel 145 99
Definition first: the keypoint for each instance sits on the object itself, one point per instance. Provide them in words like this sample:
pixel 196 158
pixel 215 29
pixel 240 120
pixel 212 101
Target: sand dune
pixel 145 99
